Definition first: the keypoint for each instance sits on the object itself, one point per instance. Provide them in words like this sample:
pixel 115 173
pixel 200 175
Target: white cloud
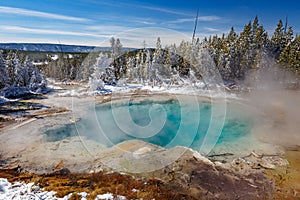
pixel 148 23
pixel 129 37
pixel 139 5
pixel 26 12
pixel 165 10
pixel 208 18
pixel 135 37
pixel 107 29
pixel 212 29
pixel 49 32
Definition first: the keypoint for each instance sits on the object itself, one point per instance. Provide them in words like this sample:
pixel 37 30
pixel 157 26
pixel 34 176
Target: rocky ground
pixel 191 176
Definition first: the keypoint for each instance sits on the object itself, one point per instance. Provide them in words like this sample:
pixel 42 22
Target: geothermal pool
pixel 166 123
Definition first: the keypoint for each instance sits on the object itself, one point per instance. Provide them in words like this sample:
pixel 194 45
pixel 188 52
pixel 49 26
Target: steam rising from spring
pixel 272 93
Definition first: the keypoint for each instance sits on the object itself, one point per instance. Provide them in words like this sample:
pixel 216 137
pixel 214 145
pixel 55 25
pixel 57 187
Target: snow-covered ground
pixel 218 92
pixel 23 191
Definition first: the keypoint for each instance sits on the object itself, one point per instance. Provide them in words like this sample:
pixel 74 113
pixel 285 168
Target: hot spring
pixel 166 123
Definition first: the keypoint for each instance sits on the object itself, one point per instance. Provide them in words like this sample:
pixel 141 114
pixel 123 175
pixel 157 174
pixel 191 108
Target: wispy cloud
pixel 208 18
pixel 26 12
pixel 135 37
pixel 107 29
pixel 164 10
pixel 50 32
pixel 138 4
pixel 210 29
pixel 142 20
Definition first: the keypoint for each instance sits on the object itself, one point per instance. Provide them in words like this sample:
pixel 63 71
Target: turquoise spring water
pixel 100 125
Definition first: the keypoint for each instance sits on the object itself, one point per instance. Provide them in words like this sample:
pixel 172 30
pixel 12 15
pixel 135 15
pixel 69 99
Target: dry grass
pixel 98 183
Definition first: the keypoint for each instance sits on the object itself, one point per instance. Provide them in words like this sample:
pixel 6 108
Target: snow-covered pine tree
pixel 147 66
pixel 131 71
pixel 207 67
pixel 3 74
pixel 157 69
pixel 277 40
pixel 118 48
pixel 99 76
pixel 290 55
pixel 22 79
pixel 112 42
pixel 139 66
pixel 36 82
pixel 18 71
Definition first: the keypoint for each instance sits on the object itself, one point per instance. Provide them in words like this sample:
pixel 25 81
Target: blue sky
pixel 93 22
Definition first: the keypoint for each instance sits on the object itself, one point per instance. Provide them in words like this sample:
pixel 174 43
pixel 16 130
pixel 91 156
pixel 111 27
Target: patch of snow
pixel 109 196
pixel 54 57
pixel 53 87
pixel 38 63
pixel 30 191
pixel 129 88
pixel 3 100
pixel 83 195
pixel 134 190
pixel 19 190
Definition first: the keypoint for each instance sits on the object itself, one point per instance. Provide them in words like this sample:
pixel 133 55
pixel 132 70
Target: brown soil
pixel 288 178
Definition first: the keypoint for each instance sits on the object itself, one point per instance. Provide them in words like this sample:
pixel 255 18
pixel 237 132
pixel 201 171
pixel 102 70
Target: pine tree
pixel 231 38
pixel 37 83
pixel 16 71
pixel 290 56
pixel 131 71
pixel 118 48
pixel 3 74
pixel 277 40
pixel 112 45
pixel 244 51
pixel 101 73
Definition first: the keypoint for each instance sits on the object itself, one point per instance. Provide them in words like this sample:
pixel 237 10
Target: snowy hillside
pixel 43 47
pixel 49 47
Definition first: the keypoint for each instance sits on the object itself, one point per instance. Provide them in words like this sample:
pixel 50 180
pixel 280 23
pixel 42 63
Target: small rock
pixel 35 188
pixel 63 171
pixel 142 150
pixel 202 158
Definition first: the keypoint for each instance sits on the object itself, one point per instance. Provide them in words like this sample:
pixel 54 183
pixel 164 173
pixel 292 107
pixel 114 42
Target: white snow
pixel 38 63
pixel 109 196
pixel 134 190
pixel 83 195
pixel 3 99
pixel 23 191
pixel 53 87
pixel 19 190
pixel 130 88
pixel 54 57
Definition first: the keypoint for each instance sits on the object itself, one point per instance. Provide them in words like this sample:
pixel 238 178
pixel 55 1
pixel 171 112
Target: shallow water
pixel 165 123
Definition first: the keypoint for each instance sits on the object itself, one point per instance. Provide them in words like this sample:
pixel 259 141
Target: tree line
pixel 19 78
pixel 234 56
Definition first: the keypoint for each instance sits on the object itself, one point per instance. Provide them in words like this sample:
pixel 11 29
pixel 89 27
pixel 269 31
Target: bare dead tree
pixel 286 23
pixel 195 28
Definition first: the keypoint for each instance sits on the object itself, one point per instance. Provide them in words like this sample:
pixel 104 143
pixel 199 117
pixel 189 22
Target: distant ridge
pixel 44 47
